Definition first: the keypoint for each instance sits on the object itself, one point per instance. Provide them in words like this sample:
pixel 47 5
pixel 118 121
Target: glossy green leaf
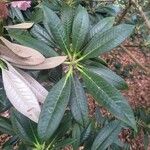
pixel 76 134
pixel 78 101
pixel 98 116
pixel 64 143
pixel 102 26
pixel 80 29
pixel 108 40
pixel 99 60
pixel 26 39
pixel 8 147
pixel 67 20
pixel 56 27
pixel 24 127
pixel 86 132
pixel 107 136
pixel 41 34
pixel 5 126
pixel 108 96
pixel 37 15
pixel 64 127
pixel 16 12
pixel 54 108
pixel 108 75
pixel 4 102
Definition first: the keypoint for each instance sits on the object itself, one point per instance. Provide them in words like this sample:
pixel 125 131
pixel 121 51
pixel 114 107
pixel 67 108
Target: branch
pixel 147 22
pixel 124 13
pixel 147 71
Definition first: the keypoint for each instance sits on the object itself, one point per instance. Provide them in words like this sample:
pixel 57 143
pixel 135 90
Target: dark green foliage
pixel 66 28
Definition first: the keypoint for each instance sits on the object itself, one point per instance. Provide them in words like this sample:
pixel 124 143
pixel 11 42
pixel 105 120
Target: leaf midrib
pixel 79 35
pixel 57 102
pixel 78 102
pixel 106 75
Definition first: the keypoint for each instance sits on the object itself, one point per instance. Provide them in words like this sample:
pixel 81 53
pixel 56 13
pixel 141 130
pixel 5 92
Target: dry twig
pixel 147 71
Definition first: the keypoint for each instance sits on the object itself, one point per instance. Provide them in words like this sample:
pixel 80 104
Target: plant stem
pixel 135 60
pixel 124 13
pixel 147 22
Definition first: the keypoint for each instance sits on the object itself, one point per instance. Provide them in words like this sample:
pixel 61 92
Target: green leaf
pixel 64 127
pixel 16 12
pixel 5 126
pixel 98 116
pixel 54 108
pixel 65 142
pixel 102 26
pixel 80 29
pixel 86 133
pixel 26 39
pixel 24 127
pixel 76 135
pixel 78 101
pixel 108 40
pixel 98 60
pixel 109 97
pixel 106 136
pixel 41 34
pixel 67 20
pixel 37 15
pixel 108 75
pixel 56 28
pixel 8 147
pixel 4 102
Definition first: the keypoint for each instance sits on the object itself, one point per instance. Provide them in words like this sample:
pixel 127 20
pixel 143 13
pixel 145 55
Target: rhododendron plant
pixel 55 80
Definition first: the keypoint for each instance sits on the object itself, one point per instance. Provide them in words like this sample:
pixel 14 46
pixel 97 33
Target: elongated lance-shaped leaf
pixel 16 12
pixel 108 40
pixel 107 136
pixel 20 95
pixel 98 60
pixel 49 63
pixel 54 108
pixel 24 127
pixel 39 91
pixel 108 96
pixel 67 20
pixel 24 38
pixel 78 101
pixel 86 133
pixel 102 26
pixel 41 34
pixel 32 56
pixel 108 75
pixel 6 126
pixel 76 135
pixel 25 25
pixel 80 28
pixel 56 27
pixel 4 102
